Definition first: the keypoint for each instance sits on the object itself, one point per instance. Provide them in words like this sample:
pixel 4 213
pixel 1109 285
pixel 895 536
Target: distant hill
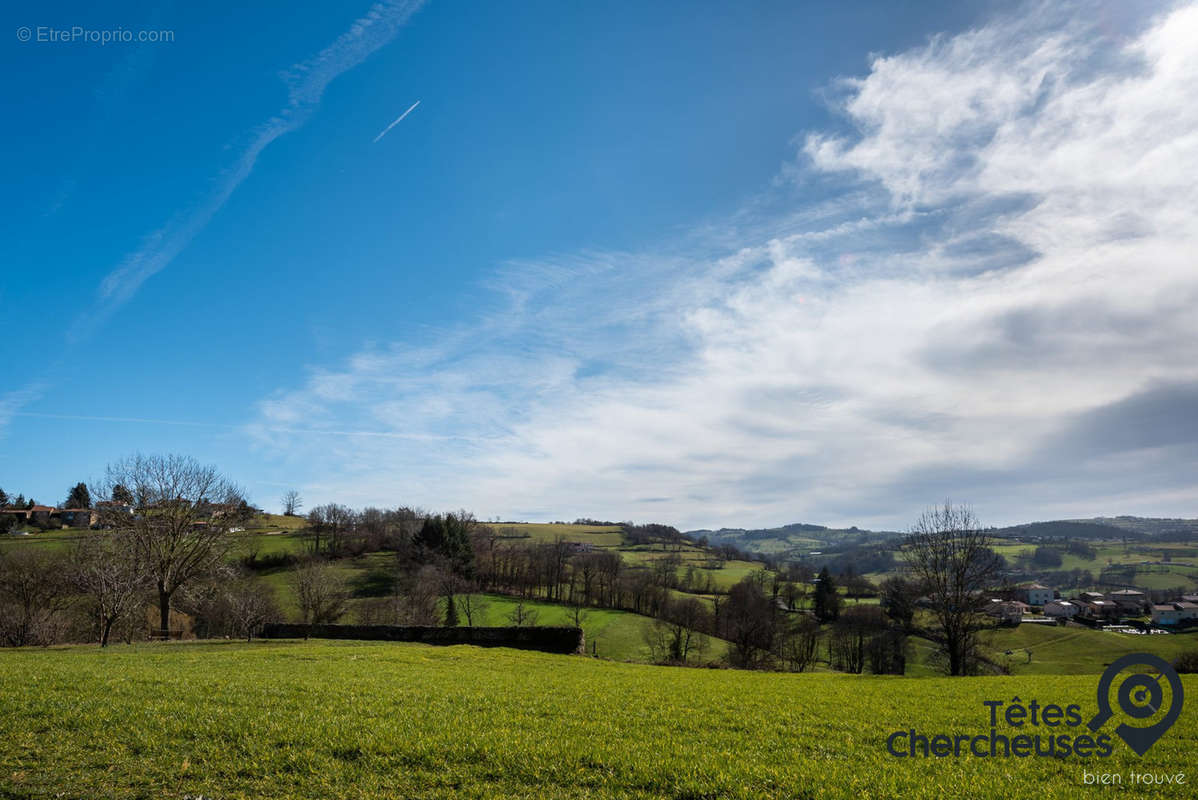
pixel 1065 529
pixel 1106 528
pixel 801 538
pixel 794 539
pixel 1151 526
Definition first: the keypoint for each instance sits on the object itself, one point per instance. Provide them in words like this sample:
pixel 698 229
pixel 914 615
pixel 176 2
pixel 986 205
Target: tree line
pixel 168 535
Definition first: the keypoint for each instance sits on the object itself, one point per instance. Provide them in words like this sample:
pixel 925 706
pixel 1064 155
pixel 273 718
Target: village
pixel 1122 610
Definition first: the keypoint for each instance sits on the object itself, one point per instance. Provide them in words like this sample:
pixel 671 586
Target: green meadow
pixel 370 720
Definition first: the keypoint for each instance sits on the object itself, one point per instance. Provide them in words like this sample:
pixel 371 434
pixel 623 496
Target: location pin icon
pixel 1140 697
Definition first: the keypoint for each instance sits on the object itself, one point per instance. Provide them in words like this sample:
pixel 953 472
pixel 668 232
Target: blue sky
pixel 713 264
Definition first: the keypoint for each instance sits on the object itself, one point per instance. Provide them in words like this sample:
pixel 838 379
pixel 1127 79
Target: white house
pixel 1037 594
pixel 1165 614
pixel 1187 609
pixel 1060 608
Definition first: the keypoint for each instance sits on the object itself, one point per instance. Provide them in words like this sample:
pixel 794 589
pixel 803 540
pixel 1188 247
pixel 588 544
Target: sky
pixel 705 264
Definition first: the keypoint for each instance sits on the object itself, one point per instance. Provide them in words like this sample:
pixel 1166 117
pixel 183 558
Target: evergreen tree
pixel 122 495
pixel 451 612
pixel 3 498
pixel 448 536
pixel 79 496
pixel 827 599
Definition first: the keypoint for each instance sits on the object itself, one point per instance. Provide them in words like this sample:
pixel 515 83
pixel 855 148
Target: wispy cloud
pixel 998 307
pixel 306 83
pixel 398 120
pixel 12 402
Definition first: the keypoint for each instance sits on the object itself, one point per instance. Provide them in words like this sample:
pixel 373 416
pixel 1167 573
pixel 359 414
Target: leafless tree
pixel 321 592
pixel 184 513
pixel 951 558
pixel 679 632
pixel 34 592
pixel 748 619
pixel 417 594
pixel 108 573
pixel 852 634
pixel 292 502
pixel 334 522
pixel 523 614
pixel 251 605
pixel 797 642
pixel 577 614
pixel 472 604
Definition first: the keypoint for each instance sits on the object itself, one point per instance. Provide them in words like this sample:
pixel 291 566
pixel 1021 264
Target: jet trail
pixel 397 121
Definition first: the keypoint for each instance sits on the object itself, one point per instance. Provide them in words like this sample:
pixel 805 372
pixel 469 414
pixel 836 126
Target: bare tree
pixel 321 592
pixel 33 594
pixel 950 557
pixel 472 604
pixel 797 642
pixel 679 632
pixel 852 635
pixel 107 572
pixel 181 523
pixel 748 619
pixel 334 522
pixel 577 614
pixel 522 614
pixel 251 605
pixel 292 502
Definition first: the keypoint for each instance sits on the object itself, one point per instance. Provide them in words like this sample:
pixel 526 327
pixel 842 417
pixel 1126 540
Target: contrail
pixel 397 121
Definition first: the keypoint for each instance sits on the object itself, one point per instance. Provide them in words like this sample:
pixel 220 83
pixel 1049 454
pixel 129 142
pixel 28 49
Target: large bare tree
pixel 951 558
pixel 183 516
pixel 292 502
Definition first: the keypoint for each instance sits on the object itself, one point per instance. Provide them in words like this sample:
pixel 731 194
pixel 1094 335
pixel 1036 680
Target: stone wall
pixel 549 640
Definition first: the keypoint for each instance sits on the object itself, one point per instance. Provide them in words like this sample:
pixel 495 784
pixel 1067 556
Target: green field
pixel 323 720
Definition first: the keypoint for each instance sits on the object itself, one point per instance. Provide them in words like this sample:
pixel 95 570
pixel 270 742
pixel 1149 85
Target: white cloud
pixel 306 83
pixel 1006 287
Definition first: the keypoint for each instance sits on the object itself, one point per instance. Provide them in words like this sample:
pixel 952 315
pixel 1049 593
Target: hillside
pixel 1150 526
pixel 793 541
pixel 400 721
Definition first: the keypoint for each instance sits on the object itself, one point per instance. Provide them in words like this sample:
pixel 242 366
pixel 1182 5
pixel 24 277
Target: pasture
pixel 369 720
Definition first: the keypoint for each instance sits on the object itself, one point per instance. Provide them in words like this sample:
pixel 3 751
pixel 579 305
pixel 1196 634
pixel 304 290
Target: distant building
pixel 1188 609
pixel 1036 594
pixel 1061 609
pixel 1130 601
pixel 1090 597
pixel 1165 614
pixel 1100 609
pixel 114 506
pixel 78 517
pixel 1007 611
pixel 40 515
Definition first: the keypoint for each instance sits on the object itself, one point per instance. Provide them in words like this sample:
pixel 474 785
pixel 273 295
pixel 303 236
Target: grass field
pixel 322 720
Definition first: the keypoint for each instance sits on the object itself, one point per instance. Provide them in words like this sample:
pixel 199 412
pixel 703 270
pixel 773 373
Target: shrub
pixel 1187 662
